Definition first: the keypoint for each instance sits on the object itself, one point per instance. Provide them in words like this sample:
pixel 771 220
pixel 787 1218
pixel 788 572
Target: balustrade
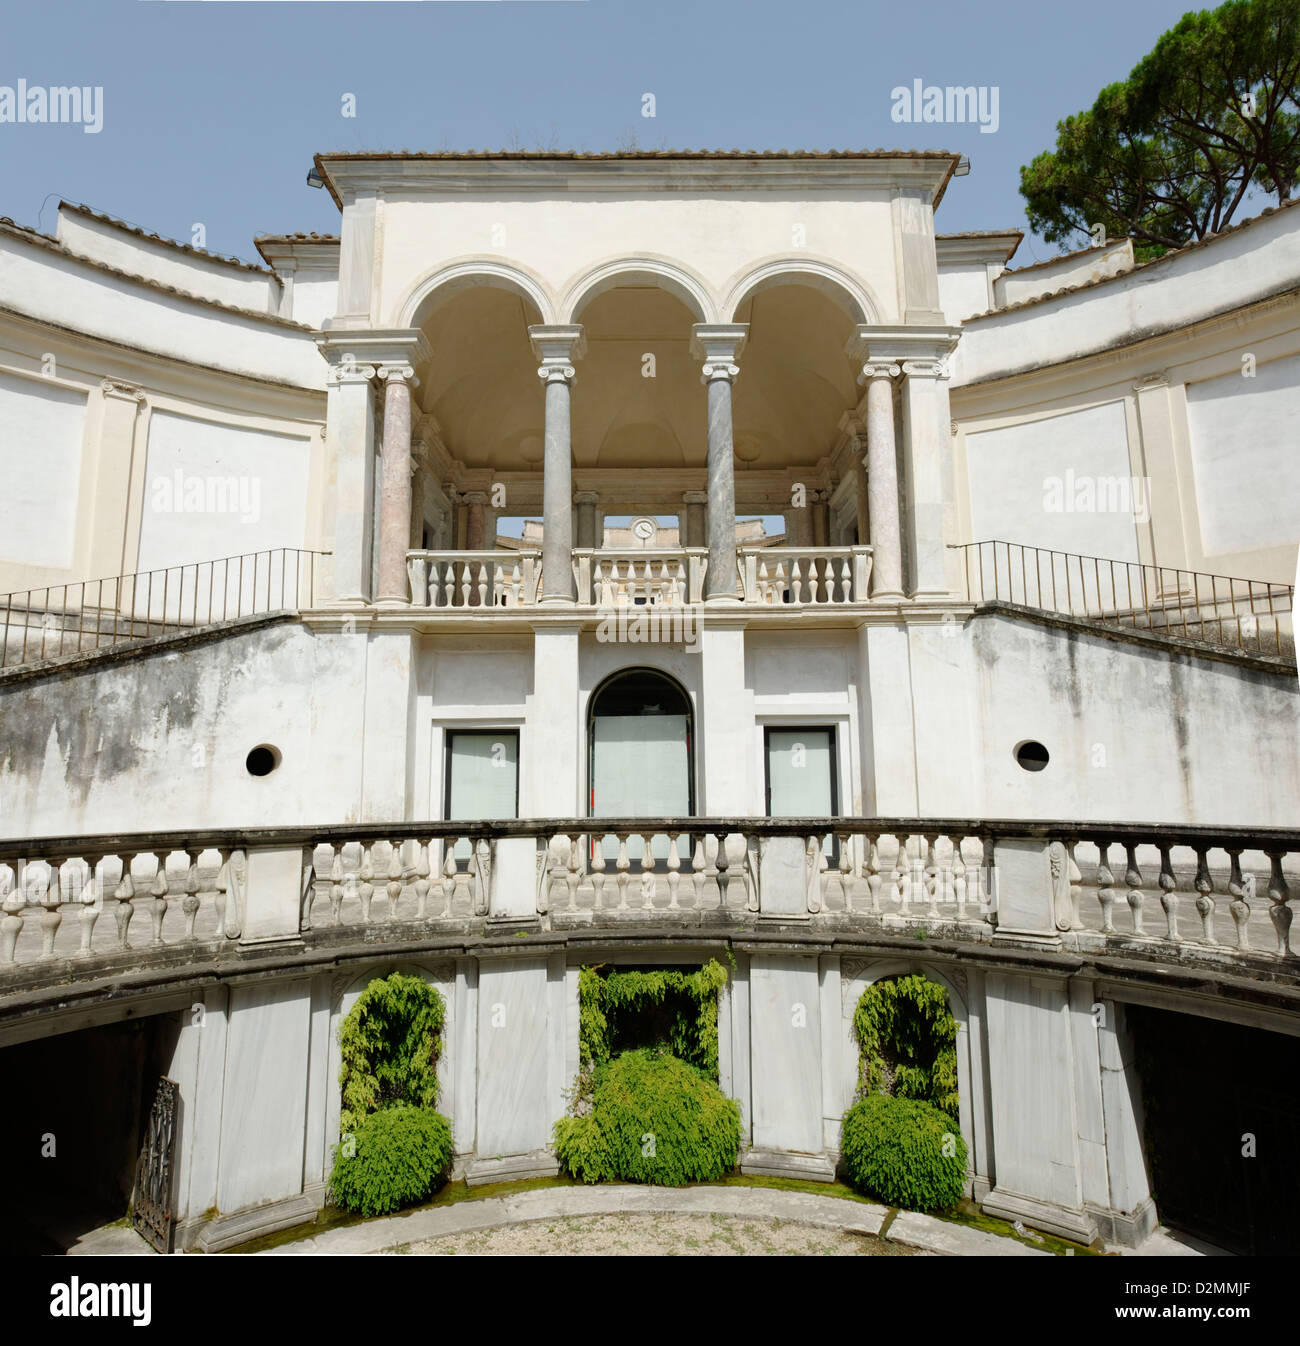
pixel 805 576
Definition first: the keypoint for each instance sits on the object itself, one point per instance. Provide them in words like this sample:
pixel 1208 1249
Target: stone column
pixel 695 532
pixel 718 346
pixel 927 450
pixel 474 503
pixel 557 347
pixel 586 503
pixel 860 488
pixel 882 481
pixel 395 490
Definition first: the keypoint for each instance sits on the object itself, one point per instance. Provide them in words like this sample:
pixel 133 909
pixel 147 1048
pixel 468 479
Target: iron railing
pixel 66 619
pixel 1219 610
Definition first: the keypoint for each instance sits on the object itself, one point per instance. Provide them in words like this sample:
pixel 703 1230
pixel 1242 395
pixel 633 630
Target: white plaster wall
pixel 258 483
pixel 206 277
pixel 1133 733
pixel 1014 287
pixel 1010 470
pixel 963 291
pixel 1260 259
pixel 1244 440
pixel 41 429
pixel 314 299
pixel 159 742
pixel 63 290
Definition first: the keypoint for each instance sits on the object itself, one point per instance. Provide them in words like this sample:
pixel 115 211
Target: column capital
pixel 356 355
pixel 695 497
pixel 475 497
pixel 115 388
pixel 718 345
pixel 878 369
pixel 925 369
pixel 557 347
pixel 398 373
pixel 586 498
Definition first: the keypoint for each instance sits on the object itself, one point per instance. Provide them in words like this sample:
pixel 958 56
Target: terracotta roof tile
pixel 158 238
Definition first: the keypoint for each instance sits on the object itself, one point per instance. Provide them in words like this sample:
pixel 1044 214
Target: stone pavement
pixel 824 1212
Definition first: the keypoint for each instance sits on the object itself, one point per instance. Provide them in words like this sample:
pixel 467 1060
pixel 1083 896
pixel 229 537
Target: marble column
pixel 860 488
pixel 927 451
pixel 586 503
pixel 395 485
pixel 694 533
pixel 718 346
pixel 557 347
pixel 882 481
pixel 474 523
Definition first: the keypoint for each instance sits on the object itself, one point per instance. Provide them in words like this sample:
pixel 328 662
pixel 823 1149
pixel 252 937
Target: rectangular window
pixel 482 777
pixel 802 779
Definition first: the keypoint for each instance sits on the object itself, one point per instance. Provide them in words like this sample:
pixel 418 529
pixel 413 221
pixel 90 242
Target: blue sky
pixel 212 111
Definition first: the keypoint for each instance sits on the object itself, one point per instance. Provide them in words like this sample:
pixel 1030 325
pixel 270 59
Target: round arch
pixel 640 725
pixel 432 290
pixel 654 271
pixel 856 977
pixel 845 291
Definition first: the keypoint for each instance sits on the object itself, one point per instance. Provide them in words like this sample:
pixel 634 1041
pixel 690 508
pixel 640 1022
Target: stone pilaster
pixel 884 525
pixel 718 346
pixel 557 348
pixel 927 448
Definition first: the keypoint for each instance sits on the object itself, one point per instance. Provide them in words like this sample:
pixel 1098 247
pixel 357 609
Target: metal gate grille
pixel 151 1204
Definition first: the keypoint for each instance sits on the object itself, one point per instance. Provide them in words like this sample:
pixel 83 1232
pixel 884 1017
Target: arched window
pixel 640 753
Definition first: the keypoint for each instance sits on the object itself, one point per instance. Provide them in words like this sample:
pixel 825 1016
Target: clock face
pixel 644 529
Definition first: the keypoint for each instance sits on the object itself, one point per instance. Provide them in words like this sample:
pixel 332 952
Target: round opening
pixel 262 760
pixel 1031 755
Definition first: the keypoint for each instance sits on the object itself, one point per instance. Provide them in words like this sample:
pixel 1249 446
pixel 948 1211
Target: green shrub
pixel 401 1154
pixel 653 1119
pixel 686 1003
pixel 908 1042
pixel 389 1046
pixel 903 1152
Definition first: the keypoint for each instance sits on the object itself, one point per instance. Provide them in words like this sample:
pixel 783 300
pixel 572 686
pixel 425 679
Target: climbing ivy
pixel 390 1043
pixel 690 999
pixel 908 1042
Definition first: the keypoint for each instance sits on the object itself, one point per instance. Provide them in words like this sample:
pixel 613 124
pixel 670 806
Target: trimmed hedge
pixel 653 1119
pixel 402 1154
pixel 908 1041
pixel 904 1152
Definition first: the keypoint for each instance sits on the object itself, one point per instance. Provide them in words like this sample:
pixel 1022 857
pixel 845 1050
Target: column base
pixel 512 1168
pixel 226 1231
pixel 1129 1228
pixel 723 599
pixel 556 601
pixel 1077 1225
pixel 392 601
pixel 1037 939
pixel 787 1164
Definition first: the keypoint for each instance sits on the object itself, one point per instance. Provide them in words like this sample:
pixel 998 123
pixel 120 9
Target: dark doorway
pixel 75 1109
pixel 1214 1092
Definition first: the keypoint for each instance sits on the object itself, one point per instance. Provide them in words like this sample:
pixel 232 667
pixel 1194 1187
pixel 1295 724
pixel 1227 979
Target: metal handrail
pixel 1197 605
pixel 89 615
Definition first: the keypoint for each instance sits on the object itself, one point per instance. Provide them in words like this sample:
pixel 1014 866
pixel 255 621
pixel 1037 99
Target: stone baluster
pixel 336 883
pixel 597 872
pixel 1278 912
pixel 191 902
pixel 1239 908
pixel 49 897
pixel 699 863
pixel 845 867
pixel 449 584
pixel 846 581
pixel 422 877
pixel 815 872
pixel 394 885
pixel 894 893
pixel 12 901
pixel 622 864
pixel 674 870
pixel 1168 895
pixel 449 872
pixel 365 880
pixel 647 872
pixel 158 900
pixel 931 876
pixel 90 905
pixel 481 872
pixel 1205 896
pixel 1105 892
pixel 417 571
pixel 916 886
pixel 1076 878
pixel 573 876
pixel 959 877
pixel 871 872
pixel 1136 898
pixel 724 871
